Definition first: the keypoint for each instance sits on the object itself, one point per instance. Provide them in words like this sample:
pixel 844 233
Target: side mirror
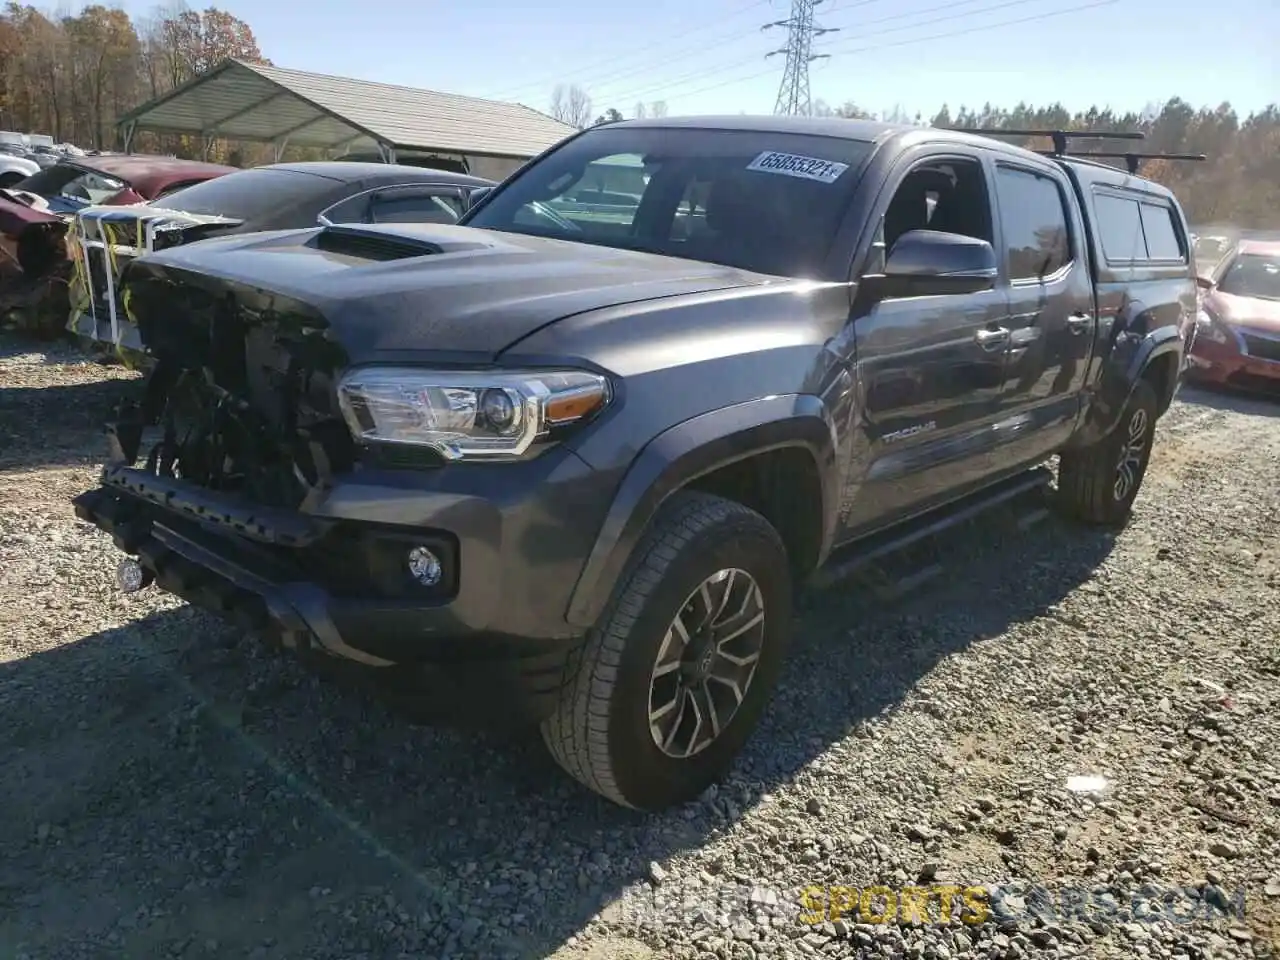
pixel 1203 282
pixel 476 195
pixel 929 263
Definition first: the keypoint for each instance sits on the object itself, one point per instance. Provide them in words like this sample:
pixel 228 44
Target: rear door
pixel 1052 320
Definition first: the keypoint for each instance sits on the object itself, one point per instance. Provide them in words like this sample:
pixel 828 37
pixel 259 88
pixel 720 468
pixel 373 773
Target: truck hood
pixel 390 292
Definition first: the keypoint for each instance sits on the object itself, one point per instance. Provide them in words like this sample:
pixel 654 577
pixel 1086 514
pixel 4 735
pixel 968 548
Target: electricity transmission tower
pixel 793 94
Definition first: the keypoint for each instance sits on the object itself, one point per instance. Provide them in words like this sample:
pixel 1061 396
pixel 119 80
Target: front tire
pixel 668 687
pixel 1098 484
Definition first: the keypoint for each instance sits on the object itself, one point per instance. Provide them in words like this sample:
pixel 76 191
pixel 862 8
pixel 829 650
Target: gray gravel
pixel 172 789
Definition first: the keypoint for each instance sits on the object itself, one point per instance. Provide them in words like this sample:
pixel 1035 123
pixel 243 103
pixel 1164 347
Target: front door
pixel 1052 319
pixel 929 369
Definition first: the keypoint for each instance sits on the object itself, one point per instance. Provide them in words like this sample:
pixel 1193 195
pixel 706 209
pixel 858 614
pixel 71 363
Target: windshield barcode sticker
pixel 806 168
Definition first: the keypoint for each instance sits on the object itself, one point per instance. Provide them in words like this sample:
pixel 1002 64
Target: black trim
pixel 262 524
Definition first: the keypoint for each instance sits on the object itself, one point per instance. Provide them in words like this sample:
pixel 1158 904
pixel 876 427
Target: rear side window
pixel 1162 237
pixel 1119 226
pixel 249 193
pixel 1134 231
pixel 414 207
pixel 1034 223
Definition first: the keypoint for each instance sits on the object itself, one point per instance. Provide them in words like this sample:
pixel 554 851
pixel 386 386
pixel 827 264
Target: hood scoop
pixel 364 243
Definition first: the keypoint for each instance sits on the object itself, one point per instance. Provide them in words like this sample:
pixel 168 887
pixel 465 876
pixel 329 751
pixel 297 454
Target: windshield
pixel 73 183
pixel 247 193
pixel 767 202
pixel 1252 275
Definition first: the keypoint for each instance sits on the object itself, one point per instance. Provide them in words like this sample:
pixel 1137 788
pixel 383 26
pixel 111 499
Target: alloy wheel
pixel 1131 455
pixel 706 663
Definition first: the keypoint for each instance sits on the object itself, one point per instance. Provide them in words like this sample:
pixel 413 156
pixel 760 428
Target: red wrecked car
pixel 1238 331
pixel 35 213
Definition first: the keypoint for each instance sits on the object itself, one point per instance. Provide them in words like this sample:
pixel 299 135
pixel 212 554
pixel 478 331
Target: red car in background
pixel 35 214
pixel 1237 340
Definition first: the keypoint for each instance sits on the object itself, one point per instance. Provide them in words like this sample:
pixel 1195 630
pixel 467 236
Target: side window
pixel 1162 236
pixel 352 210
pixel 948 195
pixel 1033 219
pixel 1119 225
pixel 604 200
pixel 412 207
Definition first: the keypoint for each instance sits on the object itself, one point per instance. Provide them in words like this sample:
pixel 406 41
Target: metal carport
pixel 237 100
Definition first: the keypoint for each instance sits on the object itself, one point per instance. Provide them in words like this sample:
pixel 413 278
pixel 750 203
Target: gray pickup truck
pixel 578 464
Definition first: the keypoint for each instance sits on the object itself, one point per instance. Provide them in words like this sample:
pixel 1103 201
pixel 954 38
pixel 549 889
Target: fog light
pixel 425 567
pixel 131 576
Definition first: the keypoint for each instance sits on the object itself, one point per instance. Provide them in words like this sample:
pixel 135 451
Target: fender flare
pixel 689 450
pixel 1127 365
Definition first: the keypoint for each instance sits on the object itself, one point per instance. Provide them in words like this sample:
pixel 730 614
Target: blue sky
pixel 708 56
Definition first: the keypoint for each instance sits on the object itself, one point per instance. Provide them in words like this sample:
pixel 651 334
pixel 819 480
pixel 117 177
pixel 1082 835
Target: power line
pixel 793 93
pixel 711 70
pixel 976 29
pixel 951 16
pixel 610 61
pixel 874 47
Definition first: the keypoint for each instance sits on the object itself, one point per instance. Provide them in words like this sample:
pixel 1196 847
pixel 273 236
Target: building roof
pixel 248 101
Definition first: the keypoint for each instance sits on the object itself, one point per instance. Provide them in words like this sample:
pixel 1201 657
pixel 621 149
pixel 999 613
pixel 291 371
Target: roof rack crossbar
pixel 1132 160
pixel 1059 137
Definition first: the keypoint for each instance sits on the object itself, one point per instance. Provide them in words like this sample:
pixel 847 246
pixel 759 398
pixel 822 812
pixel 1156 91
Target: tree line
pixel 1238 183
pixel 71 76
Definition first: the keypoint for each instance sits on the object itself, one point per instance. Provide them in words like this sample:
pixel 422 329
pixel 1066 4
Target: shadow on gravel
pixel 169 784
pixel 1231 401
pixel 56 425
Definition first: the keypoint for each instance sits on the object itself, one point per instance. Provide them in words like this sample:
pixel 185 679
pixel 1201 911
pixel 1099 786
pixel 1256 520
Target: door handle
pixel 988 339
pixel 1079 322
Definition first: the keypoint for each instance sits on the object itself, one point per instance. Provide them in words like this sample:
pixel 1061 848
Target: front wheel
pixel 1099 483
pixel 669 686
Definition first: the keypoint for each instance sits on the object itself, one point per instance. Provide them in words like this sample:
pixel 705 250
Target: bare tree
pixel 640 111
pixel 570 104
pixel 658 108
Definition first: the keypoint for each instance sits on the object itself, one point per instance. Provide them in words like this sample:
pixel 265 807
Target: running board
pixel 859 554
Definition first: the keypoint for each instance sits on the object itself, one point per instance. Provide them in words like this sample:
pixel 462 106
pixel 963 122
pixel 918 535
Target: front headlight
pixel 464 415
pixel 1207 327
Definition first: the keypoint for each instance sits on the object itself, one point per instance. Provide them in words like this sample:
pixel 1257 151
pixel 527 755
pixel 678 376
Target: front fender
pixel 687 451
pixel 1129 359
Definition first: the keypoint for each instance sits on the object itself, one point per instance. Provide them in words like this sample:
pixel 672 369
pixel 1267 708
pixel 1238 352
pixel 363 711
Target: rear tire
pixel 702 554
pixel 1097 485
pixel 9 179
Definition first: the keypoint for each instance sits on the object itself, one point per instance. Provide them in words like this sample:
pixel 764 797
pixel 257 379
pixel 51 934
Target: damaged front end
pixel 35 263
pixel 213 471
pixel 105 239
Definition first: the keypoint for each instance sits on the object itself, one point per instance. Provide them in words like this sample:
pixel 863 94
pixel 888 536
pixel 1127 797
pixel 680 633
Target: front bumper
pixel 512 539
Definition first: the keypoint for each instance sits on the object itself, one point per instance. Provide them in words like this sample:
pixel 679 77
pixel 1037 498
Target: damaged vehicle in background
pixel 35 214
pixel 16 167
pixel 1237 342
pixel 281 196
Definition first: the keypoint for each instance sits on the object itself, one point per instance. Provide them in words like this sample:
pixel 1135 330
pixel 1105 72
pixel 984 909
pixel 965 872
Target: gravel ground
pixel 174 790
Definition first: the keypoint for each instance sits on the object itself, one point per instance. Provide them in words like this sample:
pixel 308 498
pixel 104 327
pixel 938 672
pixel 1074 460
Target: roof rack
pixel 1133 160
pixel 1059 137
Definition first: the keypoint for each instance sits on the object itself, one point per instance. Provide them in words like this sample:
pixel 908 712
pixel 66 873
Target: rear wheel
pixel 666 690
pixel 9 179
pixel 1099 483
